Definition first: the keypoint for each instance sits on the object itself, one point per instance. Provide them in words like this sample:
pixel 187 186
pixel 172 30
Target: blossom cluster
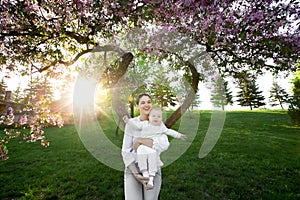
pixel 29 128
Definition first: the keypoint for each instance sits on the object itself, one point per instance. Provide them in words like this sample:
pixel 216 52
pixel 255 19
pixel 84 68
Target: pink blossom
pixel 3 152
pixel 45 143
pixel 23 120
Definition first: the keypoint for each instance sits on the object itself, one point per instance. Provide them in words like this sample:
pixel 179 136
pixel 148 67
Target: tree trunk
pixel 118 106
pixel 280 102
pixel 189 99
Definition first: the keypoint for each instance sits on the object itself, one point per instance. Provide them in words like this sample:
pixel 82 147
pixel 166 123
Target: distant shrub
pixel 294 108
pixel 295 116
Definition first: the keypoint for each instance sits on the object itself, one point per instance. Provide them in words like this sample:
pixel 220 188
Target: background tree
pixel 3 87
pixel 221 95
pixel 249 94
pixel 18 95
pixel 278 96
pixel 160 86
pixel 294 108
pixel 181 90
pixel 196 101
pixel 162 94
pixel 38 88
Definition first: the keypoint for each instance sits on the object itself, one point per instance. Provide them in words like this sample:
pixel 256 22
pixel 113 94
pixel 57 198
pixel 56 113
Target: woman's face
pixel 144 105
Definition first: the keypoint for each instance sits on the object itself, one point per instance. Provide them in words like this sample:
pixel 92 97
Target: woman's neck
pixel 143 117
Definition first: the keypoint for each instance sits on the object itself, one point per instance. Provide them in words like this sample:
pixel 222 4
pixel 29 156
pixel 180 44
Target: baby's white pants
pixel 147 159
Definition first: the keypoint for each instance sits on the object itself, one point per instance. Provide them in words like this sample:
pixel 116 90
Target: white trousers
pixel 134 190
pixel 147 159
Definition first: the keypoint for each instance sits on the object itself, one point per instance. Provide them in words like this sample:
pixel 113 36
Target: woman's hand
pixel 139 177
pixel 143 180
pixel 143 141
pixel 136 144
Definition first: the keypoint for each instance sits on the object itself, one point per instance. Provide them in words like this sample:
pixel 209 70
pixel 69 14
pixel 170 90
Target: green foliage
pixel 3 87
pixel 150 75
pixel 18 95
pixel 196 102
pixel 221 95
pixel 249 94
pixel 162 92
pixel 37 88
pixel 294 108
pixel 278 96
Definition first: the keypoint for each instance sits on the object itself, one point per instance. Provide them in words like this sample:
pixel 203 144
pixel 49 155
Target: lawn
pixel 256 157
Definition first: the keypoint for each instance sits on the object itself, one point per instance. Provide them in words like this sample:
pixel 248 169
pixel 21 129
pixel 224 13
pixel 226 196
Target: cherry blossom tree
pixel 45 34
pixel 238 32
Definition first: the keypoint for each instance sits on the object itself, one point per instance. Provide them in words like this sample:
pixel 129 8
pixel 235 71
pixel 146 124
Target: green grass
pixel 256 157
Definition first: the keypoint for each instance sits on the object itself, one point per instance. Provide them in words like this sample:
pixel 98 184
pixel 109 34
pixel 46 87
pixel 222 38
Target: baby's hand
pixel 125 119
pixel 183 137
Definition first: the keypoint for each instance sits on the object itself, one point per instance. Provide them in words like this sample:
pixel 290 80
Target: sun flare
pixel 84 91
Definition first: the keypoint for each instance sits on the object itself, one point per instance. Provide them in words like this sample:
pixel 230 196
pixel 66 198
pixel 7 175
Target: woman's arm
pixel 160 143
pixel 128 156
pixel 129 159
pixel 127 150
pixel 143 141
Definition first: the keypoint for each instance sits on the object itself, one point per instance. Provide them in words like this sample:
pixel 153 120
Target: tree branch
pixel 97 49
pixel 79 38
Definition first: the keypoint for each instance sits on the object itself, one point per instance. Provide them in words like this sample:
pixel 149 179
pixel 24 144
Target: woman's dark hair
pixel 140 96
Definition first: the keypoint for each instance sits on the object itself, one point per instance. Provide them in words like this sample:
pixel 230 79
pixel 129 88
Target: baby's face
pixel 155 117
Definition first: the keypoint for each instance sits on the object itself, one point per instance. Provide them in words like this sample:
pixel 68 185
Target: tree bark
pixel 118 106
pixel 188 100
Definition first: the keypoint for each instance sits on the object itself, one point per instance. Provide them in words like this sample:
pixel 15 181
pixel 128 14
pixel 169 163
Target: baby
pixel 147 158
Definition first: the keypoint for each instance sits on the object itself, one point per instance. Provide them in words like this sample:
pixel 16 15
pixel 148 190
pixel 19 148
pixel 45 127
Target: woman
pixel 134 183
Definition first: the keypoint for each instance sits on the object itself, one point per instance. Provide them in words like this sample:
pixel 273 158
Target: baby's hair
pixel 155 109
